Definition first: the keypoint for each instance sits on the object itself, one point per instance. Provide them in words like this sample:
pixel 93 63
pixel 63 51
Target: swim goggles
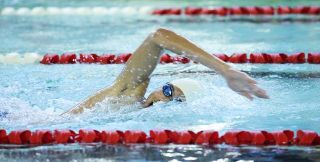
pixel 167 90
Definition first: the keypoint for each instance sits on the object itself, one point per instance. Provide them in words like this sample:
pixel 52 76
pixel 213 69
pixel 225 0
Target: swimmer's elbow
pixel 160 32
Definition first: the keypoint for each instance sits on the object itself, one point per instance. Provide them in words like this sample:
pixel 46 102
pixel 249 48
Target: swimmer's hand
pixel 243 84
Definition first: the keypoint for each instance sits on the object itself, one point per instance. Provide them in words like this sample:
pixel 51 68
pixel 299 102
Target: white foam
pixel 100 10
pixel 67 11
pixel 83 11
pixel 129 11
pixel 145 10
pixel 8 11
pixel 38 11
pixel 12 58
pixel 113 10
pixel 53 11
pixel 16 58
pixel 222 160
pixel 23 11
pixel 31 58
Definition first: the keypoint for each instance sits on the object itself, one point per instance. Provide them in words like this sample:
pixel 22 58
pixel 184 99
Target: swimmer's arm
pixel 182 46
pixel 89 102
pixel 144 60
pixel 237 80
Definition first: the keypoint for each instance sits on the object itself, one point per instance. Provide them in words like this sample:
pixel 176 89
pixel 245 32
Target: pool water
pixel 32 96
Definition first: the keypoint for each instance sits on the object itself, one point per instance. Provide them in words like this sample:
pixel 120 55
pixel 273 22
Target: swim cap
pixel 191 88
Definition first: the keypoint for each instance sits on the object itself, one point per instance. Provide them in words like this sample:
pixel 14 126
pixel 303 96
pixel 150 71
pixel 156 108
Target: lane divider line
pixel 82 58
pixel 208 137
pixel 147 10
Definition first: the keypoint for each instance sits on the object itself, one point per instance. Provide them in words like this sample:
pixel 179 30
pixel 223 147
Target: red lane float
pixel 19 137
pixel 241 137
pixel 68 58
pixel 182 137
pixel 64 136
pixel 258 137
pixel 283 137
pixel 159 136
pixel 122 58
pixel 134 137
pixel 267 10
pixel 193 11
pixel 166 58
pixel 259 58
pixel 88 58
pixel 182 60
pixel 240 10
pixel 106 59
pixel 238 58
pixel 112 137
pixel 170 11
pixel 307 138
pixel 3 136
pixel 255 58
pixel 207 137
pixel 298 58
pixel 314 58
pixel 50 59
pixel 88 136
pixel 283 10
pixel 39 137
pixel 223 57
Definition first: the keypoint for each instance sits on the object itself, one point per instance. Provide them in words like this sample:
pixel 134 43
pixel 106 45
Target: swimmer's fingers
pixel 148 102
pixel 246 94
pixel 250 80
pixel 259 92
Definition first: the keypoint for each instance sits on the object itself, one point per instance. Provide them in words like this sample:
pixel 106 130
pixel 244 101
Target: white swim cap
pixel 191 88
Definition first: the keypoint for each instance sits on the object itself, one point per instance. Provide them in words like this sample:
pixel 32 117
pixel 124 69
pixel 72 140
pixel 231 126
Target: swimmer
pixel 131 85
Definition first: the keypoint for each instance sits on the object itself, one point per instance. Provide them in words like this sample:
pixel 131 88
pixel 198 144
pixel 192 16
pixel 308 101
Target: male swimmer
pixel 134 78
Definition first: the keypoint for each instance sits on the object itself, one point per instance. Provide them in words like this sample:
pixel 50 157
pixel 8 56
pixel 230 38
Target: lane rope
pixel 147 10
pixel 208 137
pixel 82 58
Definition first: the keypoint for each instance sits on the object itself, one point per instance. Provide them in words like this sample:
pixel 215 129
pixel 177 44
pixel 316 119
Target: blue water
pixel 32 96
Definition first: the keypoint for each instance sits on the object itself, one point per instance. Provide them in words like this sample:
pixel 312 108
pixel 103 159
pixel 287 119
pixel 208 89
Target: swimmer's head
pixel 180 90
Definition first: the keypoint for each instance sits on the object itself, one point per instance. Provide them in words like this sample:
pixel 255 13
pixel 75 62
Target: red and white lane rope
pixel 256 138
pixel 146 10
pixel 72 58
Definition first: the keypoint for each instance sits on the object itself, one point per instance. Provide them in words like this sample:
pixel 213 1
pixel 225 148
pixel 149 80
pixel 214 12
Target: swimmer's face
pixel 158 95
